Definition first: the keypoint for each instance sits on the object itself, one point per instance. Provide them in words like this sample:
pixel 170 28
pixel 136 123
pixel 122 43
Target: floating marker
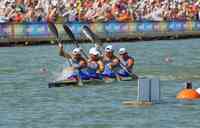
pixel 155 90
pixel 188 94
pixel 143 90
pixel 149 90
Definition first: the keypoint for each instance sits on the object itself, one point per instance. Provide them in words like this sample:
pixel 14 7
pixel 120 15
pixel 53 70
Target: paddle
pixel 53 29
pixel 72 37
pixel 90 35
pixel 86 30
pixel 133 75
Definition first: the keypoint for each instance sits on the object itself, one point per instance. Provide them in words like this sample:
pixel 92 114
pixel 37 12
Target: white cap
pixel 109 48
pixel 94 51
pixel 76 51
pixel 122 51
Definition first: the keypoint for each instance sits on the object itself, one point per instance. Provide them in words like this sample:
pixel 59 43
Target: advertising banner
pixel 197 26
pixel 36 30
pixel 107 29
pixel 5 30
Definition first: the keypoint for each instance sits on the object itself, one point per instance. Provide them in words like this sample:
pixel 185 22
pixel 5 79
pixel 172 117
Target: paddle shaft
pixel 72 37
pixel 53 29
pixel 133 75
pixel 92 37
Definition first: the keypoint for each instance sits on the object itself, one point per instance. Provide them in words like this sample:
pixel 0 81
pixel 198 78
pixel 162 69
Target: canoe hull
pixel 86 82
pixel 72 83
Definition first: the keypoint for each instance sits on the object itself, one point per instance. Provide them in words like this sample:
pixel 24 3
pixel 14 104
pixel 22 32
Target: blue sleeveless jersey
pixel 92 71
pixel 122 72
pixel 82 73
pixel 108 72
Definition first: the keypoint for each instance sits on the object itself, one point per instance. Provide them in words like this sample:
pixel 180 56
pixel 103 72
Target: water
pixel 26 101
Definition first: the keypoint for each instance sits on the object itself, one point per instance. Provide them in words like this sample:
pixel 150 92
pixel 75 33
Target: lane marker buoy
pixel 188 93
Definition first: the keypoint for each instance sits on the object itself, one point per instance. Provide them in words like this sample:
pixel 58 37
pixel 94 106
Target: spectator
pixel 97 10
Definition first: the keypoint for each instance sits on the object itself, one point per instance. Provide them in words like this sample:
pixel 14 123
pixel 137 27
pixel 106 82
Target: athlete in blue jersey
pixel 126 61
pixel 95 64
pixel 111 62
pixel 78 63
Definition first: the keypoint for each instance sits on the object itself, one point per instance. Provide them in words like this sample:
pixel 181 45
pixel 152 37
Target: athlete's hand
pixel 81 49
pixel 115 62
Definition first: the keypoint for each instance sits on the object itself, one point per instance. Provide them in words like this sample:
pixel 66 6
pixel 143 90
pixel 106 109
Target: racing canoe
pixel 67 82
pixel 63 83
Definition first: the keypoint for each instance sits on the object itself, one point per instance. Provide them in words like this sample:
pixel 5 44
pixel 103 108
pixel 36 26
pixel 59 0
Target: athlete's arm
pixel 101 66
pixel 83 63
pixel 80 65
pixel 130 63
pixel 62 52
pixel 114 63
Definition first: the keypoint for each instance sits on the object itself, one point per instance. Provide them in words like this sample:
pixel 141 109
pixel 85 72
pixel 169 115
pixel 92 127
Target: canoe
pixel 63 83
pixel 69 70
pixel 71 83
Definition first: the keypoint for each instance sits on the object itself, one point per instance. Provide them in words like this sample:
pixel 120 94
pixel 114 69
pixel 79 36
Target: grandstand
pixel 98 10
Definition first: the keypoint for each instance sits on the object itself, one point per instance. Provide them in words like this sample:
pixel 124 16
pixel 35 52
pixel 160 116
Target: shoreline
pixel 130 40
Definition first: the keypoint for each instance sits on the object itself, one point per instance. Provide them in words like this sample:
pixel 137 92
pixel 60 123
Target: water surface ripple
pixel 26 101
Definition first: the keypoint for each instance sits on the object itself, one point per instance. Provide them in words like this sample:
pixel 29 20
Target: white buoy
pixel 149 90
pixel 168 60
pixel 198 90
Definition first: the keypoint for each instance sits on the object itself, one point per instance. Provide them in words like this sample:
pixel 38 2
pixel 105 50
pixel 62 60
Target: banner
pixel 197 26
pixel 36 30
pixel 145 27
pixel 5 30
pixel 107 29
pixel 98 27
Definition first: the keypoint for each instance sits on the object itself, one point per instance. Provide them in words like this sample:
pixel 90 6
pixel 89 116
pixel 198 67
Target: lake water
pixel 27 102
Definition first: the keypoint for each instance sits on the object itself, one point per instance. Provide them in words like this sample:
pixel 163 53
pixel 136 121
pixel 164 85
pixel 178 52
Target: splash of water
pixel 66 73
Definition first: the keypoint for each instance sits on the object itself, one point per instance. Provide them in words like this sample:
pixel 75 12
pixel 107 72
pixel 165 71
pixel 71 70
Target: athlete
pixel 111 62
pixel 126 63
pixel 95 64
pixel 77 62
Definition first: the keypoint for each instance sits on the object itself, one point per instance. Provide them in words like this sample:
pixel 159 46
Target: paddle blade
pixel 80 83
pixel 90 35
pixel 87 32
pixel 72 37
pixel 70 34
pixel 53 29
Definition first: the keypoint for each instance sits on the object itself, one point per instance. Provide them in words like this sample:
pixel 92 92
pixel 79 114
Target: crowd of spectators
pixel 98 10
